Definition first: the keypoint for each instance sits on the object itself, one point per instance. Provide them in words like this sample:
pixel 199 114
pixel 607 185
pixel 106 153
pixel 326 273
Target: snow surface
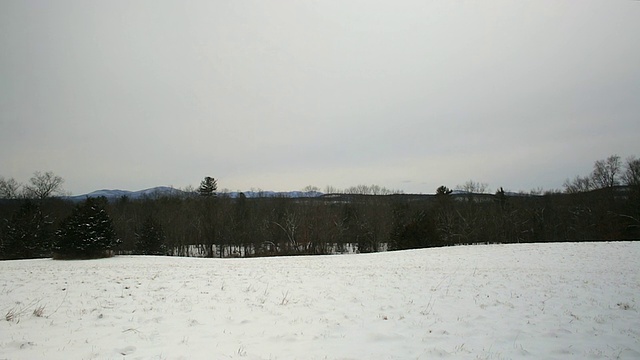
pixel 532 301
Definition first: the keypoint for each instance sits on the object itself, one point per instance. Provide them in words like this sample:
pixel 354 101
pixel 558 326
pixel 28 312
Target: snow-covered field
pixel 535 301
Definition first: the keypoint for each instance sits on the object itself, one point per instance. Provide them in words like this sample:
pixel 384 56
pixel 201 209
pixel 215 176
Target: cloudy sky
pixel 279 95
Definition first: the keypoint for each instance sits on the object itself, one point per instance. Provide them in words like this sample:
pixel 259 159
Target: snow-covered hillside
pixel 531 301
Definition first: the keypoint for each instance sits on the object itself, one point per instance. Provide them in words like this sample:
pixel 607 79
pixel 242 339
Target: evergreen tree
pixel 501 197
pixel 150 239
pixel 418 232
pixel 208 187
pixel 443 190
pixel 87 233
pixel 27 234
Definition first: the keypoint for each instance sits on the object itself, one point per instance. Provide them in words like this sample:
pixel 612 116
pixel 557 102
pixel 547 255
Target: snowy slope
pixel 520 301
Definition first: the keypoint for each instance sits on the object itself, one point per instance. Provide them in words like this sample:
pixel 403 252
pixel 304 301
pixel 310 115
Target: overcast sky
pixel 279 95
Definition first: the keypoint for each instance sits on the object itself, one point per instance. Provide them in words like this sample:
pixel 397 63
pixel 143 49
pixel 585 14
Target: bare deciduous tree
pixel 42 186
pixel 473 187
pixel 605 172
pixel 370 190
pixel 330 189
pixel 311 188
pixel 290 224
pixel 578 184
pixel 9 188
pixel 631 176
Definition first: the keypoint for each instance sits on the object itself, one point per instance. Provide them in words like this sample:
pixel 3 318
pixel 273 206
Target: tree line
pixel 212 224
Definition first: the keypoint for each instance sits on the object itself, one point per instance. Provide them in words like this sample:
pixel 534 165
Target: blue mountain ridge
pixel 161 191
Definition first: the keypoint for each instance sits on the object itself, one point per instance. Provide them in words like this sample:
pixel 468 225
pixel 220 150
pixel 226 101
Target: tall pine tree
pixel 208 187
pixel 27 234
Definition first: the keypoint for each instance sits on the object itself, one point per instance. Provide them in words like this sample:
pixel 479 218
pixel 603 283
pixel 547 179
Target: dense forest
pixel 604 205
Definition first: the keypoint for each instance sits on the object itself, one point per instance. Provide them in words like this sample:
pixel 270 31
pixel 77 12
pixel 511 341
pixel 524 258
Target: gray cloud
pixel 280 95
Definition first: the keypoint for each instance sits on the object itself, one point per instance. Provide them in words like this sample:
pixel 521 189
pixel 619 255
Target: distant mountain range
pixel 161 191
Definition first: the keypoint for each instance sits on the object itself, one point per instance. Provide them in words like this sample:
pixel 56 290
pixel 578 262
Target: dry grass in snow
pixel 535 301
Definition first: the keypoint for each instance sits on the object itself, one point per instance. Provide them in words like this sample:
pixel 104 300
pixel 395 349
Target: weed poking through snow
pixel 14 314
pixel 285 298
pixel 11 315
pixel 625 306
pixel 38 311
